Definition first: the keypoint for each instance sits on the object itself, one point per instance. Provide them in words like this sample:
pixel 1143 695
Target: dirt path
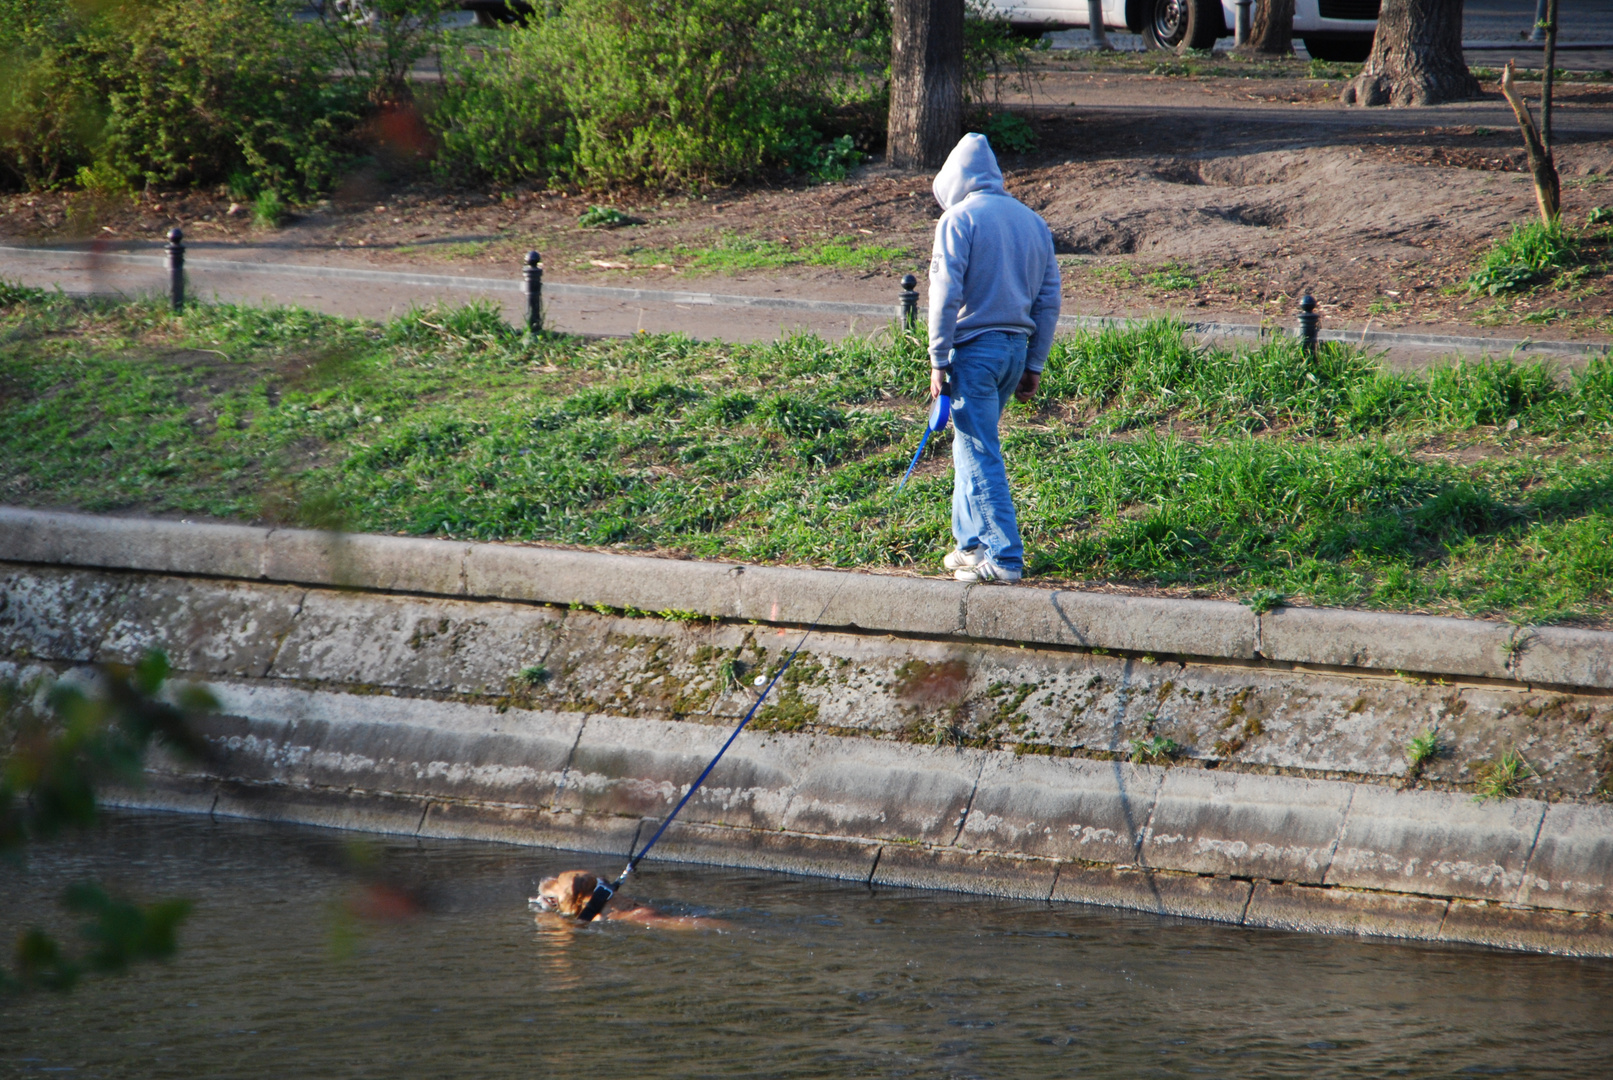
pixel 1215 196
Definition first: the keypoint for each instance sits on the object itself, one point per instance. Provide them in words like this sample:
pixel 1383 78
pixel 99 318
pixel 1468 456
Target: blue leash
pixel 940 413
pixel 602 891
pixel 915 461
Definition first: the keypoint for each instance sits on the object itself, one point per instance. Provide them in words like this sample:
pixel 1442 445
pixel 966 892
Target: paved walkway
pixel 612 311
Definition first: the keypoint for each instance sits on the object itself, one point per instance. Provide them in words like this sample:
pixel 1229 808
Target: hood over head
pixel 969 168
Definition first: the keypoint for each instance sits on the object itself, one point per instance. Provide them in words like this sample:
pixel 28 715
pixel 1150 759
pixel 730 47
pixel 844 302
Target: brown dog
pixel 568 893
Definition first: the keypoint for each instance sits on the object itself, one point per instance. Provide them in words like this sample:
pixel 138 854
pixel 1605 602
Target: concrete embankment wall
pixel 929 734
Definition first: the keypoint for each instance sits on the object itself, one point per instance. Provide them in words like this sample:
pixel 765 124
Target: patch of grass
pixel 1545 316
pixel 1503 778
pixel 733 253
pixel 679 615
pixel 1147 460
pixel 606 217
pixel 1533 255
pixel 1117 274
pixel 535 675
pixel 467 249
pixel 1200 64
pixel 1263 600
pixel 1484 74
pixel 1331 70
pixel 1172 278
pixel 1154 749
pixel 269 210
pixel 1422 749
pixel 938 731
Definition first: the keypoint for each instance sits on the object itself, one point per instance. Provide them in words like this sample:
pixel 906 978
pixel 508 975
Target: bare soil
pixel 1245 187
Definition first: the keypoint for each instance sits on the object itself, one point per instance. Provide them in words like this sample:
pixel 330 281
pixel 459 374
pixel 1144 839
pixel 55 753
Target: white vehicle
pixel 1331 29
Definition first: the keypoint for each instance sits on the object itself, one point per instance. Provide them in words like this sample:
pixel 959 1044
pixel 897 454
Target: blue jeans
pixel 985 373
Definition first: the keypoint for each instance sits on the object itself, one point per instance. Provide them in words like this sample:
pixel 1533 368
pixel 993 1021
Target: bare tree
pixel 1548 191
pixel 926 117
pixel 1272 33
pixel 1416 57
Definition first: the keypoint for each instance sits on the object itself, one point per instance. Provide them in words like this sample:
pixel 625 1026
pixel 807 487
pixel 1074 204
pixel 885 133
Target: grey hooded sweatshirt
pixel 993 266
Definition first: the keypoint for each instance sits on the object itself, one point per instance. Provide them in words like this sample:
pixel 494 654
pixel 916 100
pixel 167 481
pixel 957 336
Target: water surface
pixel 315 953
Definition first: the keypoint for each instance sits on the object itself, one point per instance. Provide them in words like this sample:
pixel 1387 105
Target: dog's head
pixel 567 893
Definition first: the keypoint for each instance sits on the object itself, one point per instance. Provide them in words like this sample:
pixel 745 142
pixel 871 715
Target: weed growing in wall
pixel 1503 778
pixel 1423 748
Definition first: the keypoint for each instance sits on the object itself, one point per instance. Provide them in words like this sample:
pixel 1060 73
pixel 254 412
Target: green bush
pixel 832 160
pixel 169 91
pixel 616 92
pixel 609 93
pixel 50 113
pixel 1007 133
pixel 379 41
pixel 501 117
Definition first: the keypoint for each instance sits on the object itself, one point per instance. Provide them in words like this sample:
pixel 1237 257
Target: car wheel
pixel 1197 22
pixel 1350 50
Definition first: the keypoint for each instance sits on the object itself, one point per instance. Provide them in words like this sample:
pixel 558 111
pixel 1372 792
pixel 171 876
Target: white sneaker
pixel 985 572
pixel 958 559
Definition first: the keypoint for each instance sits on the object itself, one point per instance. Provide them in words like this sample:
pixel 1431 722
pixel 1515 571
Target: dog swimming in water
pixel 567 893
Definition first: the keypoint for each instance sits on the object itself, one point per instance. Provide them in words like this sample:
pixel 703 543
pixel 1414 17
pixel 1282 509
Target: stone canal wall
pixel 929 734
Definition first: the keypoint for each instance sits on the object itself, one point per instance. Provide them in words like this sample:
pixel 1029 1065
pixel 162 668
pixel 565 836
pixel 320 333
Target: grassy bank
pixel 1481 489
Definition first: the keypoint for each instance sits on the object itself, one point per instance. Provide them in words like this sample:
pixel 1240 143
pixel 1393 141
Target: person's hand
pixel 1028 383
pixel 938 381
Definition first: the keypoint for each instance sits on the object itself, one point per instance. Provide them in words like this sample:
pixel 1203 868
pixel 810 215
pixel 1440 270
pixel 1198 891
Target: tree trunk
pixel 1272 32
pixel 926 118
pixel 1550 73
pixel 1416 57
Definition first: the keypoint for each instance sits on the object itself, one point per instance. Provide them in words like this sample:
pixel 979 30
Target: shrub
pixel 50 115
pixel 831 161
pixel 379 41
pixel 609 93
pixel 501 117
pixel 1007 133
pixel 681 92
pixel 169 91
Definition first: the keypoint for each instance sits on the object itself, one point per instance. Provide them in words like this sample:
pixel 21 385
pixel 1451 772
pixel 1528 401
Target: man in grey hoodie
pixel 994 301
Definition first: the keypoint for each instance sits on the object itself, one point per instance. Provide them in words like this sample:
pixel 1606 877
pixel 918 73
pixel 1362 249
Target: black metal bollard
pixel 175 261
pixel 908 310
pixel 532 285
pixel 1308 323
